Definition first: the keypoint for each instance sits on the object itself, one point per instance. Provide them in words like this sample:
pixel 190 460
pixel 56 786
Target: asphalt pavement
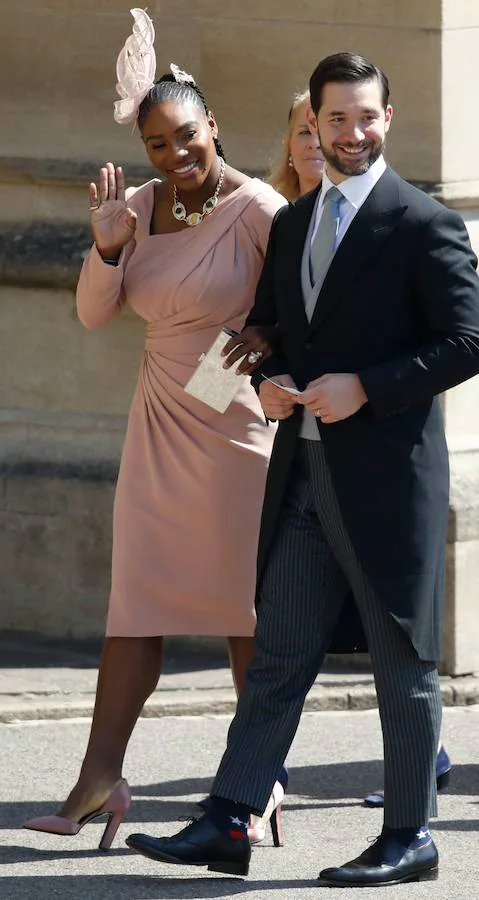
pixel 335 760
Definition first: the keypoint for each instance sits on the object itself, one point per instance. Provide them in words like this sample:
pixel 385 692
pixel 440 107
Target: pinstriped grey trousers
pixel 310 568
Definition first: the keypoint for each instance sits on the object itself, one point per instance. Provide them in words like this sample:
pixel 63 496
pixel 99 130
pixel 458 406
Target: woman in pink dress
pixel 185 253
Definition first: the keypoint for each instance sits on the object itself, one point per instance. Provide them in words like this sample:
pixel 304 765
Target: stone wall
pixel 249 57
pixel 55 549
pixel 64 392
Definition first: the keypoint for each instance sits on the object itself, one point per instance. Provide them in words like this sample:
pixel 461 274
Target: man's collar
pixel 357 187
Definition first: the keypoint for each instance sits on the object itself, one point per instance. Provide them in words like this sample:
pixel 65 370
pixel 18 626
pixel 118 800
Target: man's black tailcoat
pixel 399 307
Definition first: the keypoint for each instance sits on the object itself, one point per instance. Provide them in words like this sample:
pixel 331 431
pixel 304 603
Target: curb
pixel 214 702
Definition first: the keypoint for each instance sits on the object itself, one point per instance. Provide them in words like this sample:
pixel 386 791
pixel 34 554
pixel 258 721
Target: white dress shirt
pixel 355 191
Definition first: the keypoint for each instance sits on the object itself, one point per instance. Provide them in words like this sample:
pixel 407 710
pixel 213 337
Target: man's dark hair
pixel 345 67
pixel 167 88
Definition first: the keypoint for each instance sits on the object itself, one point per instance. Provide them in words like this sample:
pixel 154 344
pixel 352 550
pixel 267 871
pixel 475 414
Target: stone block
pixel 459 96
pixel 461 622
pixel 29 494
pixel 55 560
pixel 459 15
pixel 465 691
pixel 91 556
pixel 447 694
pixel 34 588
pixel 88 372
pixel 362 13
pixel 461 419
pixel 90 499
pixel 321 698
pixel 362 697
pixel 61 444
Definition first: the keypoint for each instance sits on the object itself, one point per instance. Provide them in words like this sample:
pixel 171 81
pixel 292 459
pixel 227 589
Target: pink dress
pixel 191 483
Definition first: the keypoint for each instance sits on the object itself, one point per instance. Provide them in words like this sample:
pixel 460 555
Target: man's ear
pixel 388 116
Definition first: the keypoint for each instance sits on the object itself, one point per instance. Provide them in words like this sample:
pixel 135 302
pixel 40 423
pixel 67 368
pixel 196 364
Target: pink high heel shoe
pixel 272 814
pixel 115 807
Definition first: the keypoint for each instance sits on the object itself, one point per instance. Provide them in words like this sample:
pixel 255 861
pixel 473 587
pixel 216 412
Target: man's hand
pixel 278 404
pixel 334 397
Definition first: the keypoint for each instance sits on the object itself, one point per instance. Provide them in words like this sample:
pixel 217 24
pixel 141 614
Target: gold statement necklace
pixel 179 210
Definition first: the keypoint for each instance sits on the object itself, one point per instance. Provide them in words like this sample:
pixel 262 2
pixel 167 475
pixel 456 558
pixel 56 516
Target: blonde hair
pixel 283 176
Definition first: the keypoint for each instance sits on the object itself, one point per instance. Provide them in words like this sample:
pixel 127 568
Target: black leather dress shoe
pixel 385 862
pixel 199 844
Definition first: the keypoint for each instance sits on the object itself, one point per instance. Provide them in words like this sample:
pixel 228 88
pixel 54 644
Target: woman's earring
pixel 290 162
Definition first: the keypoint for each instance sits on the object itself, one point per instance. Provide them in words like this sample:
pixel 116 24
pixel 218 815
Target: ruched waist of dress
pixel 174 341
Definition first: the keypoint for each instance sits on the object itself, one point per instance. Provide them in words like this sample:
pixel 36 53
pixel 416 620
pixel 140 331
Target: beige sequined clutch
pixel 212 384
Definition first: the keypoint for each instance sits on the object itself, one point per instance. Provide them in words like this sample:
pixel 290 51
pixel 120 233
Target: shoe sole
pixel 226 868
pixel 428 875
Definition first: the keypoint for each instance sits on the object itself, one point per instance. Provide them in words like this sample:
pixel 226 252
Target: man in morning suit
pixel 373 288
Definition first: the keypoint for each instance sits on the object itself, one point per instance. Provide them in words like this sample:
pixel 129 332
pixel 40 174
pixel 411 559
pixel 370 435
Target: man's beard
pixel 354 167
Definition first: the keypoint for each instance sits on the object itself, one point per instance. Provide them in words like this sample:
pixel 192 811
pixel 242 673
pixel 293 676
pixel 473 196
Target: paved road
pixel 335 759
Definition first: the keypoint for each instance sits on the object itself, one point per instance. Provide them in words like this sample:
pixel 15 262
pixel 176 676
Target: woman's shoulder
pixel 265 201
pixel 140 197
pixel 258 214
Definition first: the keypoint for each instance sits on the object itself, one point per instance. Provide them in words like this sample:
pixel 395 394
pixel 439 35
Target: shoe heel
pixel 229 868
pixel 276 822
pixel 442 780
pixel 430 875
pixel 112 826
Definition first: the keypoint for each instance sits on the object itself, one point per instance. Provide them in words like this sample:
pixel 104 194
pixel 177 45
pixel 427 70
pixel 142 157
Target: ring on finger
pixel 254 356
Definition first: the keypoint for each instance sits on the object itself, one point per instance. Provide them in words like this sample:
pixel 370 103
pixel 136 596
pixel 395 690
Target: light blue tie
pixel 323 247
pixel 321 256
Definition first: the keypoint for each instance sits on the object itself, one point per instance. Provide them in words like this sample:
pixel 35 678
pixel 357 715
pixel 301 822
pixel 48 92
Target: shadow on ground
pixel 325 782
pixel 134 887
pixel 324 786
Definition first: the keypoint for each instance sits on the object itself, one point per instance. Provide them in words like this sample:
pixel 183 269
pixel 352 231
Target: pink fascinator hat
pixel 135 68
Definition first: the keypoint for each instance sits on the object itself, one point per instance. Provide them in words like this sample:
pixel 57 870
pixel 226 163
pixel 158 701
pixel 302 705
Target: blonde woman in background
pixel 300 164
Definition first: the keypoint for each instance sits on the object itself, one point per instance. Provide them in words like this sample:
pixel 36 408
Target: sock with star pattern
pixel 413 838
pixel 228 817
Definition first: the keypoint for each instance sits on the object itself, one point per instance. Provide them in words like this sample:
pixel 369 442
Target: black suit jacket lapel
pixel 377 218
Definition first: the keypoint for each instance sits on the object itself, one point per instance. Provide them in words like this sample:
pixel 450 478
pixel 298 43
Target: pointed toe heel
pixel 115 807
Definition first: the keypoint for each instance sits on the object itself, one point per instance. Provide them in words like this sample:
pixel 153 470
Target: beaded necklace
pixel 195 218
